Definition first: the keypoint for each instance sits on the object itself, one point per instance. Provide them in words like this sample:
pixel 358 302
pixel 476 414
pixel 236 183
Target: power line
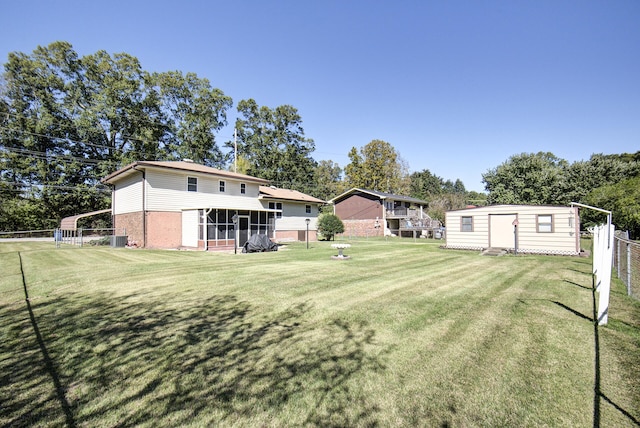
pixel 46 156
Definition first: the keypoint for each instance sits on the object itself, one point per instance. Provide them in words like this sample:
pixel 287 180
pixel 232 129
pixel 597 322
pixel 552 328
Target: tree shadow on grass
pixel 127 361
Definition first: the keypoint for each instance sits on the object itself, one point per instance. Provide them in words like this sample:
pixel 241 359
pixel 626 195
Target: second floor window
pixel 308 209
pixel 192 184
pixel 222 186
pixel 243 188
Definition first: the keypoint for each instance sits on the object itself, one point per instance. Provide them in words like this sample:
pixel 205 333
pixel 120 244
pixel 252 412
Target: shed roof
pixel 508 206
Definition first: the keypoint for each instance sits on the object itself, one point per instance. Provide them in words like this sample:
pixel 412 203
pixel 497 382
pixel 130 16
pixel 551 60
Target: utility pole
pixel 235 150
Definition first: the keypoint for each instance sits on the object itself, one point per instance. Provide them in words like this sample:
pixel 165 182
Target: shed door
pixel 501 230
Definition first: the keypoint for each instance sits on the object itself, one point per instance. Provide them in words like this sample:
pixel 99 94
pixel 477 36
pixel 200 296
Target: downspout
pixel 206 229
pixel 144 205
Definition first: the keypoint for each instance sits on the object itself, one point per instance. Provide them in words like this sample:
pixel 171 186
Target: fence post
pixel 616 257
pixel 628 269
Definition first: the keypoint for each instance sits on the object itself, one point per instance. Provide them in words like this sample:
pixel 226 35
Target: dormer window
pixel 192 184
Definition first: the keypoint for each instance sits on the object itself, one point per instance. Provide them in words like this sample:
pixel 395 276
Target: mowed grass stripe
pixel 473 347
pixel 403 334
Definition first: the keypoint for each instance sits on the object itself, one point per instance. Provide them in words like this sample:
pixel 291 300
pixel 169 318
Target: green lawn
pixel 402 334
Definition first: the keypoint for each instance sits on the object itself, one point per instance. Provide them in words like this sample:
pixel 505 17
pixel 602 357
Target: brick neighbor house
pixel 372 213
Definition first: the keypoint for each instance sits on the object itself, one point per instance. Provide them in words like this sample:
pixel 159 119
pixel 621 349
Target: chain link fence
pixel 626 262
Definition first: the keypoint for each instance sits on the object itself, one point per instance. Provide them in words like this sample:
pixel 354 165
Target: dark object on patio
pixel 258 244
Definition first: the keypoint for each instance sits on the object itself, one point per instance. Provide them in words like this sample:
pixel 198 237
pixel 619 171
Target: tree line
pixel 610 182
pixel 67 121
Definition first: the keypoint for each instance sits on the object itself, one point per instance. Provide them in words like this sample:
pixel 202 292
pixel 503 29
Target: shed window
pixel 466 224
pixel 222 186
pixel 192 184
pixel 545 223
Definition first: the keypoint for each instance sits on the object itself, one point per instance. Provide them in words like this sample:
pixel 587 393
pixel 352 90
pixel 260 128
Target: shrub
pixel 329 225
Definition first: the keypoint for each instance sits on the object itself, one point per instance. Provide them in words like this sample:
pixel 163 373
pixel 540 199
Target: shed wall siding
pixel 563 240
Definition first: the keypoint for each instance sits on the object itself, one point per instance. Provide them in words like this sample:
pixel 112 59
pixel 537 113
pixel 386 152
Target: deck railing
pixel 402 212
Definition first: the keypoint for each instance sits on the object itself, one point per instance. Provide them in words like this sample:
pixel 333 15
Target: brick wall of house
pixel 130 224
pixel 164 229
pixel 295 235
pixel 362 228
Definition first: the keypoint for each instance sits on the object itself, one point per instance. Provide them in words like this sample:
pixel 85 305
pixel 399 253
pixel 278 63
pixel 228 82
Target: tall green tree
pixel 425 185
pixel 328 180
pixel 622 199
pixel 273 142
pixel 194 113
pixel 527 178
pixel 600 170
pixel 376 166
pixel 67 121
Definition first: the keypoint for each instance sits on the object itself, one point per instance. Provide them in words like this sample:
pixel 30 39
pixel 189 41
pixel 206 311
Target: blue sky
pixel 457 87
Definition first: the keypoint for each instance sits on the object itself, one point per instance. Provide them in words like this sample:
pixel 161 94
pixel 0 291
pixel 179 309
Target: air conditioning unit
pixel 119 241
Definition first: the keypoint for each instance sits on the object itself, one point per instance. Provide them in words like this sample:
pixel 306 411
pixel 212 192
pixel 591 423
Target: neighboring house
pixel 535 229
pixel 371 213
pixel 184 204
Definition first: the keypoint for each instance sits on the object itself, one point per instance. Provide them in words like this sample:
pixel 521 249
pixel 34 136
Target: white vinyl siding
pixel 165 191
pixel 294 215
pixel 127 196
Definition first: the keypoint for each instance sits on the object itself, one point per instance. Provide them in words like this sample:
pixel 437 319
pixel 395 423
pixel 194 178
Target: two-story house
pixel 185 204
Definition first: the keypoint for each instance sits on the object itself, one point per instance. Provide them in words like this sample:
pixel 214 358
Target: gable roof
pixel 182 166
pixel 380 195
pixel 270 192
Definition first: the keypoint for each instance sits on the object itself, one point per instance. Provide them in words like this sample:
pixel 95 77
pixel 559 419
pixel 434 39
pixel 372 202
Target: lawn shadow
pixel 132 360
pixel 573 311
pixel 584 287
pixel 598 395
